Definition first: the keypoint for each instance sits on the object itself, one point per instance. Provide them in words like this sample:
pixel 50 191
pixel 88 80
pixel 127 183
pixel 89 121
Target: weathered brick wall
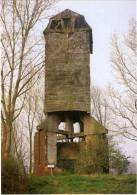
pixel 52 148
pixel 91 126
pixel 68 150
pixel 39 152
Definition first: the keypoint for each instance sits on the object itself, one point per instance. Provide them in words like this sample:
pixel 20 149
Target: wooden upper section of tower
pixel 68 40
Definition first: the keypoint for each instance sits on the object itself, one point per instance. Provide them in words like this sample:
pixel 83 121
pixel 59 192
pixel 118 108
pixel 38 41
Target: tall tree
pixel 123 102
pixel 100 107
pixel 34 114
pixel 21 50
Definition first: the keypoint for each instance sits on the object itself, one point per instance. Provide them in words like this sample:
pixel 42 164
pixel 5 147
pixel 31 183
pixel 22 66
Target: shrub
pixel 13 178
pixel 93 156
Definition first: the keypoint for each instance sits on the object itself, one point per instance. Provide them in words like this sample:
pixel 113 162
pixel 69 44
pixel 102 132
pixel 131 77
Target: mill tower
pixel 68 46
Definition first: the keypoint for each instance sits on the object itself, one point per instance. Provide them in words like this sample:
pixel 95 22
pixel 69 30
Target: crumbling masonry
pixel 67 95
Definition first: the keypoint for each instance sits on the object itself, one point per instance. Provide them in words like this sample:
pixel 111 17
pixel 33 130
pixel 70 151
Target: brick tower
pixel 68 40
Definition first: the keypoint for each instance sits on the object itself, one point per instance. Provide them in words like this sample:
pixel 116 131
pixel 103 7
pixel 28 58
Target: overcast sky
pixel 105 17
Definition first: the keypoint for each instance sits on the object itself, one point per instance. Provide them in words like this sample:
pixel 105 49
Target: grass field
pixel 75 184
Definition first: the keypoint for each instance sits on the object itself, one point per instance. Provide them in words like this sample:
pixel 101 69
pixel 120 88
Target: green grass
pixel 76 184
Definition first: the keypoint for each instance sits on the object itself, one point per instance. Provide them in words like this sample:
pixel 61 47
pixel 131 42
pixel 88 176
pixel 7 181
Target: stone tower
pixel 68 40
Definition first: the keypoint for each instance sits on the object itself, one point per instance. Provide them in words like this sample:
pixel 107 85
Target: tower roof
pixel 66 13
pixel 68 21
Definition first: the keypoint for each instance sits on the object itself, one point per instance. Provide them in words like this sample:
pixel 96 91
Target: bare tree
pixel 99 107
pixel 20 52
pixel 123 102
pixel 20 149
pixel 34 113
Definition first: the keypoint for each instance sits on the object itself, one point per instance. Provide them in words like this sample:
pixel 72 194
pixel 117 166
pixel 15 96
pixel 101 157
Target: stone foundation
pixel 63 155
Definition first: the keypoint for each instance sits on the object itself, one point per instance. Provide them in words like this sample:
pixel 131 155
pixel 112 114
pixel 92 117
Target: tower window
pixel 55 24
pixel 66 22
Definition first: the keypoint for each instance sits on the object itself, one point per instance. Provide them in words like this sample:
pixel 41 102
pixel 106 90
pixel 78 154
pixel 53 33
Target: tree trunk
pixel 7 144
pixel 30 165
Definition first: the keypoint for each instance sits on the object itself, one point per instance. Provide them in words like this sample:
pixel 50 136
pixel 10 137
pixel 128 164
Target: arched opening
pixel 62 126
pixel 76 127
pixel 60 136
pixel 70 130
